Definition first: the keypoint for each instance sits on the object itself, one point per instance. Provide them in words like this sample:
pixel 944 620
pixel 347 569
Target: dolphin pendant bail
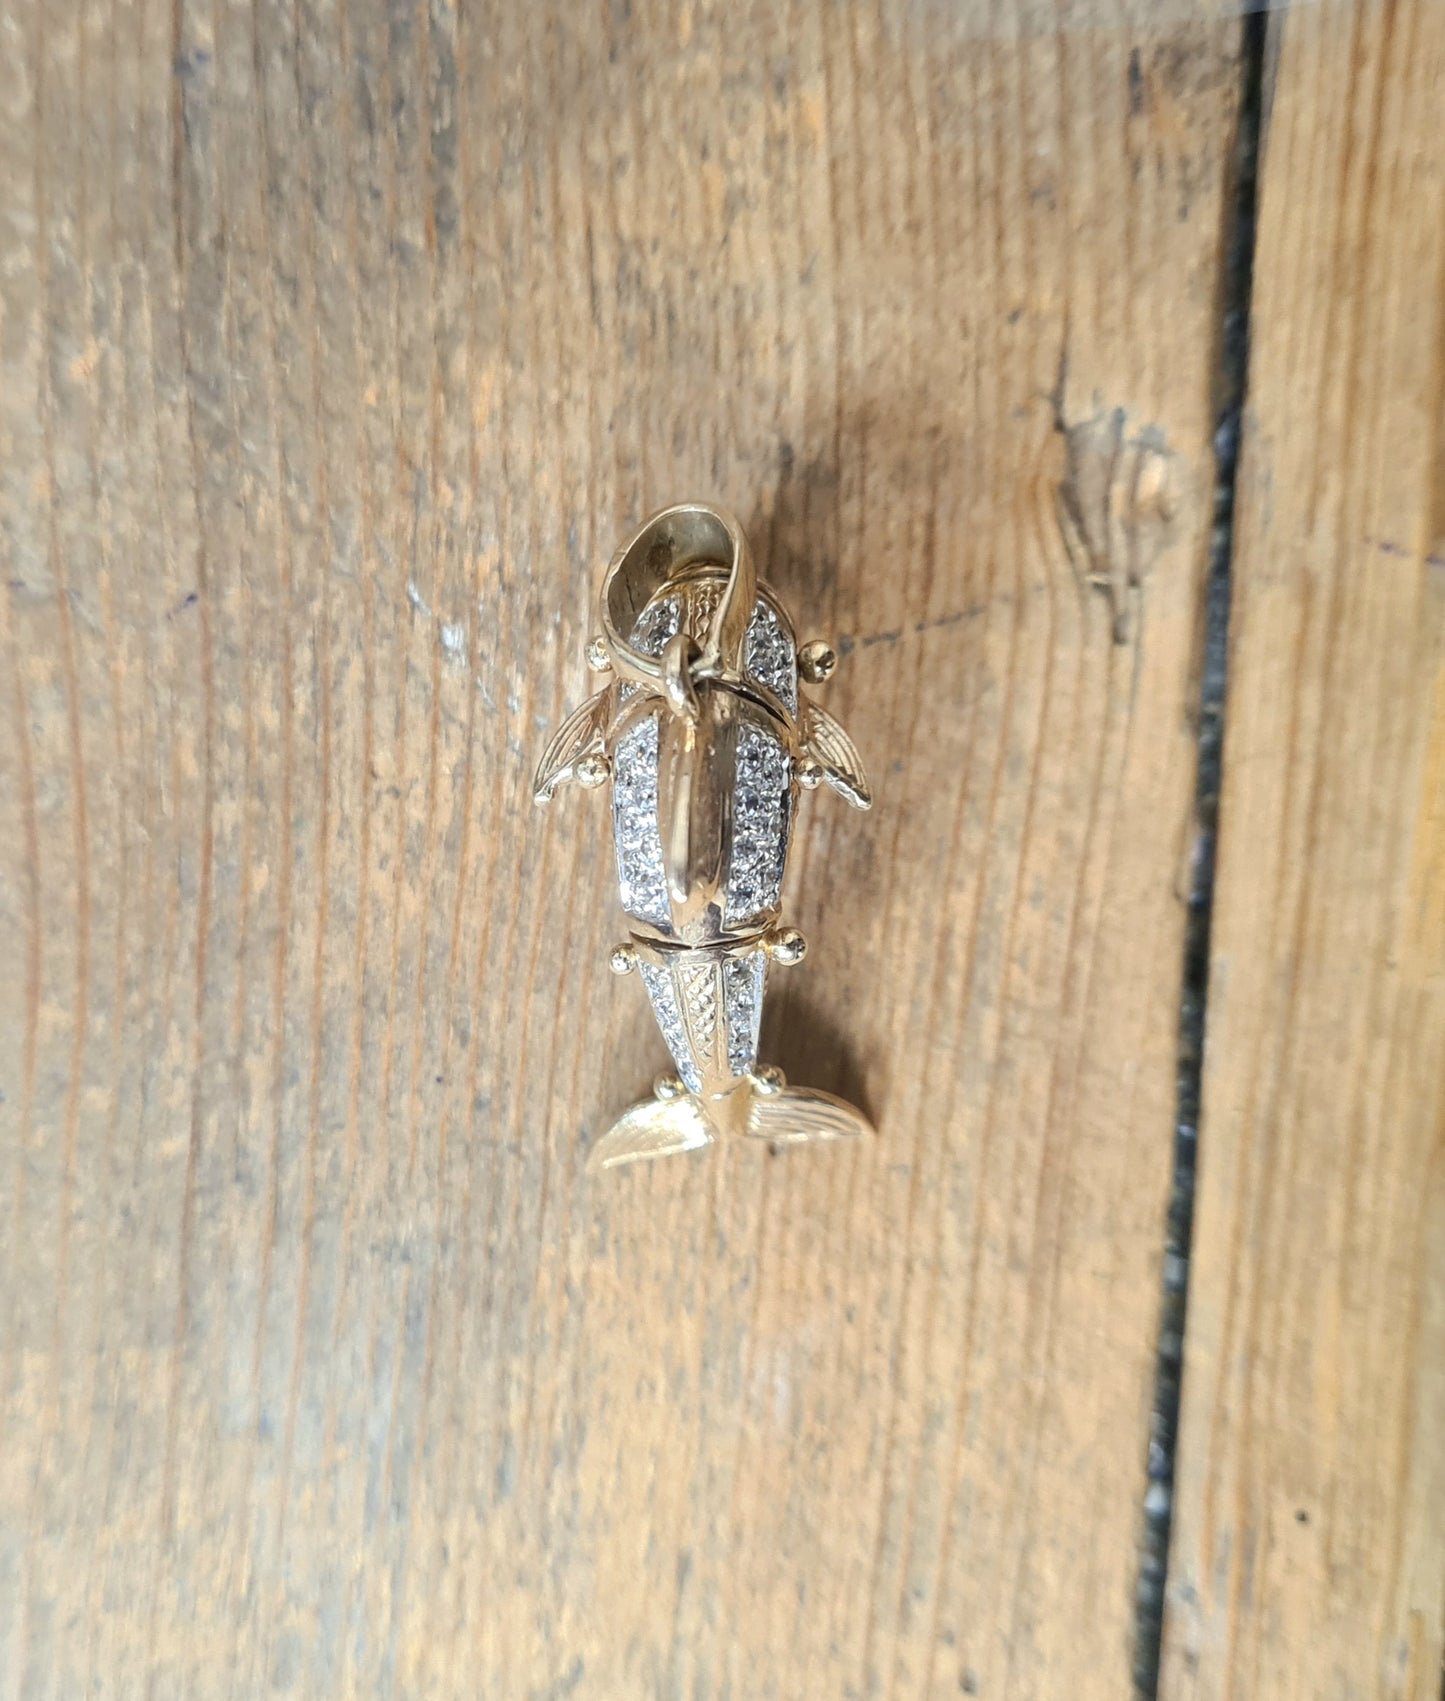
pixel 708 739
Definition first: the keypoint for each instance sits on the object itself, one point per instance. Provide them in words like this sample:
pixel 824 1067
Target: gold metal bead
pixel 667 1087
pixel 593 771
pixel 597 657
pixel 623 960
pixel 817 661
pixel 769 1080
pixel 810 773
pixel 788 946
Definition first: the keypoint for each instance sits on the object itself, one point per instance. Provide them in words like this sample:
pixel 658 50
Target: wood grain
pixel 1309 1539
pixel 340 344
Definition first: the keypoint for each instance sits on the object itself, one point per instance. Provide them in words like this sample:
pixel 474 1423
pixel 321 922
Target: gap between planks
pixel 1231 365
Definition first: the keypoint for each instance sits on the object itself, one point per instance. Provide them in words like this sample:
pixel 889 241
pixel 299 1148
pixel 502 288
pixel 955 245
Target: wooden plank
pixel 340 345
pixel 1309 1541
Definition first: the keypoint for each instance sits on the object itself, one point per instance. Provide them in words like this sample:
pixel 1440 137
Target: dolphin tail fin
pixel 656 1128
pixel 793 1116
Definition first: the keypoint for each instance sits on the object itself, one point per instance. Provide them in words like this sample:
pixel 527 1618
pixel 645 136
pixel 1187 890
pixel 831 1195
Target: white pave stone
pixel 640 876
pixel 743 979
pixel 770 658
pixel 663 993
pixel 762 806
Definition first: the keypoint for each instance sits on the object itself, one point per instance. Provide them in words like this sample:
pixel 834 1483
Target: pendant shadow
pixel 811 1048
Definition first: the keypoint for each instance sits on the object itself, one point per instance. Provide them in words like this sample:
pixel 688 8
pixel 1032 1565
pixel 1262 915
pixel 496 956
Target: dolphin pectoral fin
pixel 583 733
pixel 836 754
pixel 796 1115
pixel 656 1128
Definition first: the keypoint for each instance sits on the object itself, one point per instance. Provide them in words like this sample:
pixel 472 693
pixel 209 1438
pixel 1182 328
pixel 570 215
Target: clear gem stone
pixel 743 999
pixel 663 993
pixel 655 625
pixel 770 657
pixel 658 622
pixel 762 804
pixel 634 823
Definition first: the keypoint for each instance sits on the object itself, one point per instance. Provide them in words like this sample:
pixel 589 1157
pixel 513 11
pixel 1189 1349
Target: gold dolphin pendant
pixel 707 738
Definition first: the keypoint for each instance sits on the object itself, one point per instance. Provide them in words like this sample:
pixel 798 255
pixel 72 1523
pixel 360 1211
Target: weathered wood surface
pixel 340 344
pixel 1309 1550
